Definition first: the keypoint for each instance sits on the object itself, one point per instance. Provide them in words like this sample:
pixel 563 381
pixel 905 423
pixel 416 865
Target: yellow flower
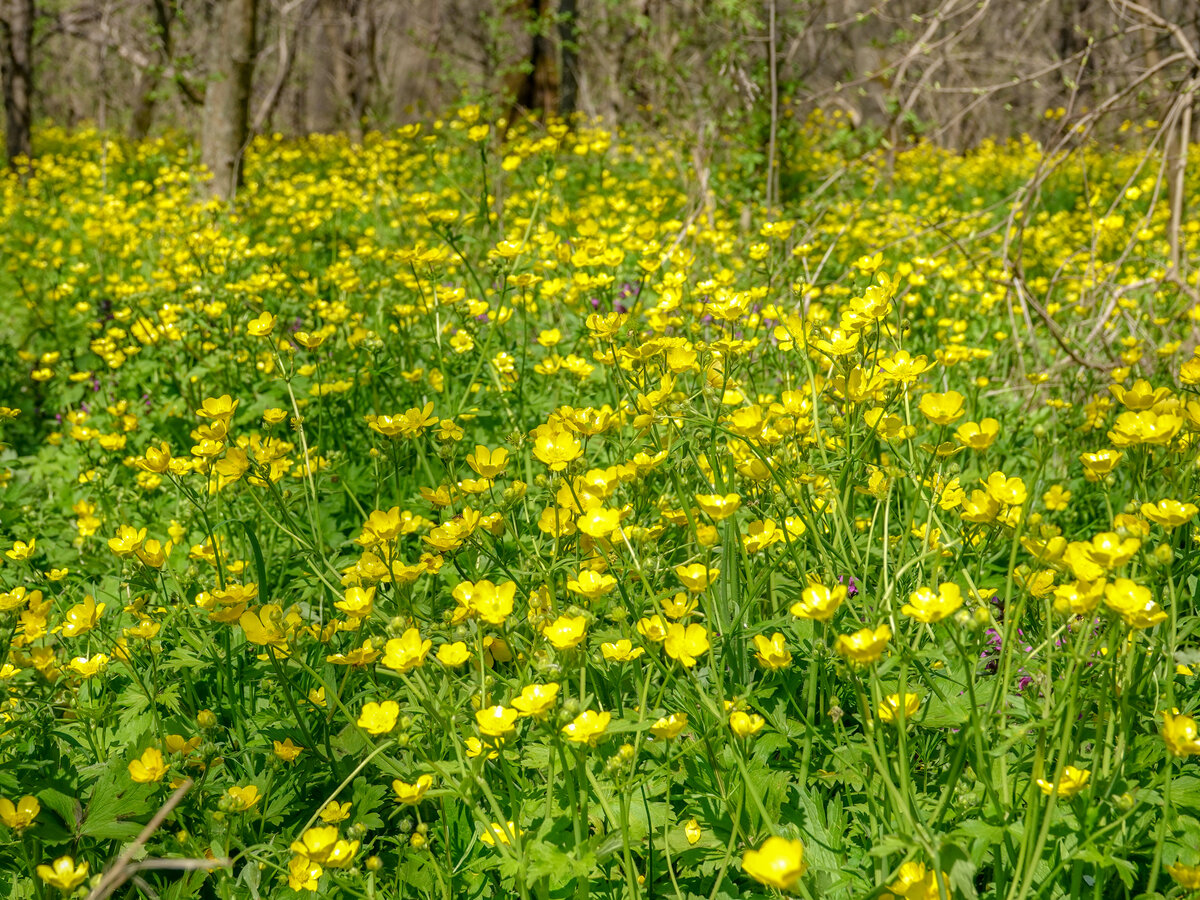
pixel 358 602
pixel 719 506
pixel 1169 513
pixel 221 409
pixel 342 854
pixel 889 709
pixel 977 435
pixel 1073 781
pixel 1100 464
pixel 264 627
pixel 1110 551
pixel 496 721
pixel 406 652
pixel 696 577
pixel 819 602
pixel 942 409
pixel 177 743
pixel 685 643
pixel 620 651
pixel 127 540
pixel 1144 427
pixel 916 882
pixel 587 727
pixel 453 655
pixel 745 724
pixel 680 606
pixel 20 551
pixel 591 585
pixel 157 459
pixel 475 747
pixel 261 325
pixel 379 718
pixel 87 666
pixel 20 815
pixel 358 656
pixel 904 368
pixel 243 798
pixel 303 873
pixel 669 726
pixel 1078 597
pixel 778 863
pixel 536 699
pixel 864 646
pixel 1056 498
pixel 1185 876
pixel 926 606
pixel 555 447
pixel 497 833
pixel 491 602
pixel 1180 734
pixel 488 463
pixel 691 830
pixel 653 628
pixel 287 751
pixel 64 874
pixel 149 767
pixel 333 812
pixel 316 843
pixel 597 522
pixel 1133 603
pixel 411 794
pixel 773 652
pixel 1002 489
pixel 566 632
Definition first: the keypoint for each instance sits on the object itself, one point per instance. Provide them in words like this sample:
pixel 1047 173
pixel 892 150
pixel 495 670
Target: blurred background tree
pixel 953 71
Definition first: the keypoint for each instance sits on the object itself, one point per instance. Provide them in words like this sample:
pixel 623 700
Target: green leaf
pixel 119 808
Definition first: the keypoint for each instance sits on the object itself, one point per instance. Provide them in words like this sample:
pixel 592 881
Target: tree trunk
pixel 322 89
pixel 227 99
pixel 540 86
pixel 568 39
pixel 16 32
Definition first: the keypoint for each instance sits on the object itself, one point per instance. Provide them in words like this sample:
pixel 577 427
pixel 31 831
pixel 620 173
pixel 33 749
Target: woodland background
pixel 954 71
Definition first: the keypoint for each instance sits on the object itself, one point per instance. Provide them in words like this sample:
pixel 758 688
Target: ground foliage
pixel 458 518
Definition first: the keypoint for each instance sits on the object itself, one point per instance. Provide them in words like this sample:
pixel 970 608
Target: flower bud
pixel 206 718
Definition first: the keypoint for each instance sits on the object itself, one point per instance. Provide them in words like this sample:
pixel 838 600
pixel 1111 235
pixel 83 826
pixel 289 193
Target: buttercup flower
pixel 20 815
pixel 566 632
pixel 669 726
pixel 1073 781
pixel 686 642
pixel 865 646
pixel 496 721
pixel 536 699
pixel 243 798
pixel 587 727
pixel 745 724
pixel 772 652
pixel 406 652
pixel 379 718
pixel 411 794
pixel 149 767
pixel 64 874
pixel 778 863
pixel 620 651
pixel 1180 734
pixel 889 709
pixel 819 602
pixel 926 606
